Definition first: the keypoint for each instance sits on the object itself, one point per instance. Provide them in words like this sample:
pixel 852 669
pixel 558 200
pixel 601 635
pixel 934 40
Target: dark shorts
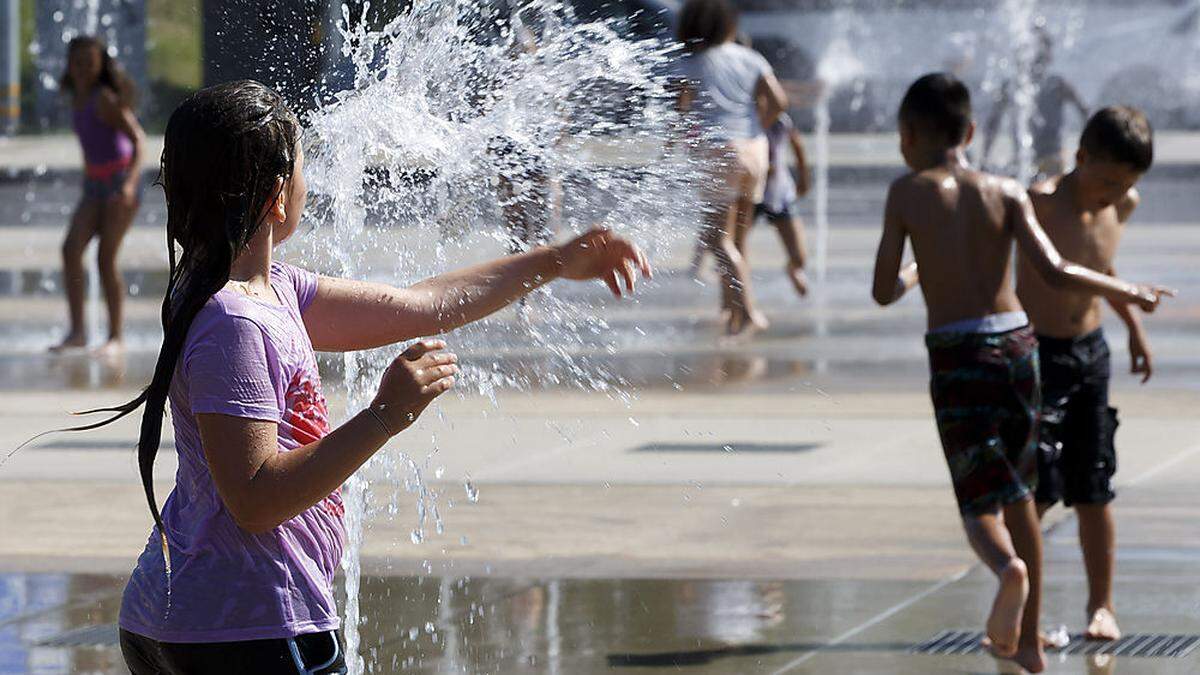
pixel 315 653
pixel 790 211
pixel 1076 454
pixel 101 189
pixel 987 398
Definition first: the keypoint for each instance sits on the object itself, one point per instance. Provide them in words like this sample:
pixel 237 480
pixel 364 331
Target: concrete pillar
pixel 10 66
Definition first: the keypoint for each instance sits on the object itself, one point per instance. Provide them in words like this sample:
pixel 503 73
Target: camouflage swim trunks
pixel 987 397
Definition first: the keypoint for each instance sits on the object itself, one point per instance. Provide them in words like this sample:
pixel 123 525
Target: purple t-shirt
pixel 247 358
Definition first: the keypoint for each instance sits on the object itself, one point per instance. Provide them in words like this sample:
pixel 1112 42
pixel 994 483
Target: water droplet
pixel 472 491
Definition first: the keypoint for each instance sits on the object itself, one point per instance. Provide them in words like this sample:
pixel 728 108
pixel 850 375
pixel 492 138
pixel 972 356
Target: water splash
pixel 1020 23
pixel 838 66
pixel 405 171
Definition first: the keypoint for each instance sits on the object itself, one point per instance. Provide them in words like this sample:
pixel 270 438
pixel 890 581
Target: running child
pixel 113 144
pixel 982 351
pixel 781 197
pixel 1084 213
pixel 237 576
pixel 732 92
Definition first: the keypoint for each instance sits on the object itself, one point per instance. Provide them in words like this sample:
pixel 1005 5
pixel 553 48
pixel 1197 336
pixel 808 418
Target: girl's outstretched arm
pixel 348 315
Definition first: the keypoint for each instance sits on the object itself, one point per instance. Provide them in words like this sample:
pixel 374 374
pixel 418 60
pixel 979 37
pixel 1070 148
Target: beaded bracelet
pixel 379 418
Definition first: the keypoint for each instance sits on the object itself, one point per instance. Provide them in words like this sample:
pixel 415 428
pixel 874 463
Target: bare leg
pixel 735 274
pixel 713 237
pixel 1097 538
pixel 993 544
pixel 1042 508
pixel 791 233
pixel 741 229
pixel 752 319
pixel 514 215
pixel 84 225
pixel 117 218
pixel 531 209
pixel 1022 522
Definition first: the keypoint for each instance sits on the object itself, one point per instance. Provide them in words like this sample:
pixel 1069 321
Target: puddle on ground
pixel 483 625
pixel 50 623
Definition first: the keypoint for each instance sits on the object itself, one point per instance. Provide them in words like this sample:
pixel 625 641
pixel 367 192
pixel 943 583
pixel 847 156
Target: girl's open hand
pixel 422 373
pixel 600 254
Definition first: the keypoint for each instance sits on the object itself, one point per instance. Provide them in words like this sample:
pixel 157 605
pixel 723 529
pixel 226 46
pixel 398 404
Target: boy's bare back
pixel 1090 240
pixel 961 224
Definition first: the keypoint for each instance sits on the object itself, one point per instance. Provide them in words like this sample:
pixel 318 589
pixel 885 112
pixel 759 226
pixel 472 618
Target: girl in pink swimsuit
pixel 112 142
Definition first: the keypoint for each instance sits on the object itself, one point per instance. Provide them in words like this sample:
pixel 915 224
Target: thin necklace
pixel 245 288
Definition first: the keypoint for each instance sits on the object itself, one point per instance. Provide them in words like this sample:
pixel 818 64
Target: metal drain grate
pixel 88 636
pixel 1140 645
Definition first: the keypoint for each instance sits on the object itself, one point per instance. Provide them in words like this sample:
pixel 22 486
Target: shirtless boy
pixel 1084 213
pixel 982 351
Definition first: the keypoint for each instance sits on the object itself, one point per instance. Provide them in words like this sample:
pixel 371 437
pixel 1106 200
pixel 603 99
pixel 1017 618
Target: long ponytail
pixel 227 152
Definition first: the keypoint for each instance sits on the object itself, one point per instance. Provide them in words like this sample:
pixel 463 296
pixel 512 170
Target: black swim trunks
pixel 986 398
pixel 310 654
pixel 1076 454
pixel 790 211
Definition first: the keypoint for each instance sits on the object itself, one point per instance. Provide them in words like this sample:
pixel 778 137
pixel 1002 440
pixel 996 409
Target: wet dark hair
pixel 938 104
pixel 1121 134
pixel 706 23
pixel 225 151
pixel 111 74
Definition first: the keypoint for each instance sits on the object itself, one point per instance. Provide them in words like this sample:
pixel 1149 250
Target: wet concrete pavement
pixel 774 506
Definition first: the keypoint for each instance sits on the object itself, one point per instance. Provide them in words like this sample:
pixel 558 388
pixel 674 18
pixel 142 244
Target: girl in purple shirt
pixel 237 575
pixel 112 143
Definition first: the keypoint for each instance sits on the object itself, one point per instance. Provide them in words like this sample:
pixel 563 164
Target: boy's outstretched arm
pixel 348 315
pixel 1140 358
pixel 1035 244
pixel 890 282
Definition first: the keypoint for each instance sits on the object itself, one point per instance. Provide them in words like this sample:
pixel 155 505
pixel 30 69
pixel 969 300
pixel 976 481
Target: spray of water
pixel 406 170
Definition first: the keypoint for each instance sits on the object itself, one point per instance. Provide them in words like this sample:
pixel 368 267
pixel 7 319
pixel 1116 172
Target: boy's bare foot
pixel 743 323
pixel 1031 657
pixel 799 279
pixel 1102 626
pixel 1004 623
pixel 70 343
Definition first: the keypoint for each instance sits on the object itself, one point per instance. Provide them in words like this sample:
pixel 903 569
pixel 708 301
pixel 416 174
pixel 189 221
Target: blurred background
pixel 618 487
pixel 172 47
